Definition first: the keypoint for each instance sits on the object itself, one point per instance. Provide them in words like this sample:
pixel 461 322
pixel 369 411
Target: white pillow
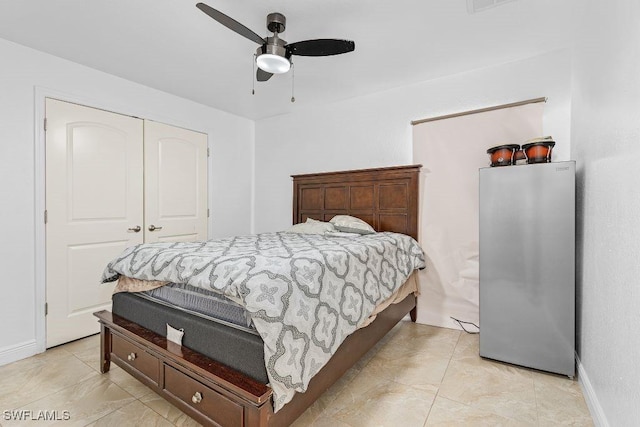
pixel 351 224
pixel 312 226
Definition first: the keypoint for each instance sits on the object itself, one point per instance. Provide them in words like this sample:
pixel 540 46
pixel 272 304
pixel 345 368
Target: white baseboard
pixel 16 352
pixel 442 320
pixel 438 321
pixel 599 419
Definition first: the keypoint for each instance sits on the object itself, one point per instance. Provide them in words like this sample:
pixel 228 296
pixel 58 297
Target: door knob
pixel 153 228
pixel 135 229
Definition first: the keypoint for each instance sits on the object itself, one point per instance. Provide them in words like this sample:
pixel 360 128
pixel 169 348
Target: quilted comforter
pixel 305 293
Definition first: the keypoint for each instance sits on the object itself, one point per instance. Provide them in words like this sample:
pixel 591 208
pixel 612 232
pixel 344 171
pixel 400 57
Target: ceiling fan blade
pixel 321 47
pixel 230 23
pixel 262 76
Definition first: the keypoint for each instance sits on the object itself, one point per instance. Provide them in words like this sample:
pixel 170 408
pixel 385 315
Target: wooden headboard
pixel 386 198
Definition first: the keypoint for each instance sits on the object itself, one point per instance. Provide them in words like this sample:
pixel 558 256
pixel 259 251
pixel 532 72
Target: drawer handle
pixel 197 397
pixel 131 357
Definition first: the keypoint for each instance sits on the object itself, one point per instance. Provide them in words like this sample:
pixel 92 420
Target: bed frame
pixel 216 395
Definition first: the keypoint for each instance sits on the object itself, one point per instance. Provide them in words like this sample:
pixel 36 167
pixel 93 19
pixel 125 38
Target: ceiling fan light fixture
pixel 274 64
pixel 272 55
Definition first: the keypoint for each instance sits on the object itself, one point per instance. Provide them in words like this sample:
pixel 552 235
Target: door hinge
pixel 45 124
pixel 46 308
pixel 208 154
pixel 46 216
pixel 208 213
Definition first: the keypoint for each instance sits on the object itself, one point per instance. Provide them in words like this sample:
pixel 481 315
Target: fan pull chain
pixel 293 78
pixel 253 78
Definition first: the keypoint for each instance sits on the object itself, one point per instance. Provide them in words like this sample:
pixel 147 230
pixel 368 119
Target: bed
pixel 208 388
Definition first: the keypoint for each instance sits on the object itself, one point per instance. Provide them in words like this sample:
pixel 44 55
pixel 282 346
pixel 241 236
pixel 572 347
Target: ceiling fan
pixel 273 55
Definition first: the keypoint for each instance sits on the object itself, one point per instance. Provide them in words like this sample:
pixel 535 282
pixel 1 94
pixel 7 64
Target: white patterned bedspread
pixel 305 293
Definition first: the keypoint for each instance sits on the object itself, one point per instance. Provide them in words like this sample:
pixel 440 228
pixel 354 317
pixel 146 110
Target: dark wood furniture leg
pixel 414 313
pixel 105 349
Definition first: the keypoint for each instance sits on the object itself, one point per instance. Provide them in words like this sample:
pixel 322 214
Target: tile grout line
pixel 102 375
pixel 344 386
pixel 107 414
pixel 75 385
pixel 92 368
pixel 137 399
pixel 55 391
pixel 535 395
pixel 162 416
pixel 117 409
pixel 114 383
pixel 153 410
pixel 443 375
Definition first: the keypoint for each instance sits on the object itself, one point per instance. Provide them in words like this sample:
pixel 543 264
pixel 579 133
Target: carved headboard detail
pixel 386 198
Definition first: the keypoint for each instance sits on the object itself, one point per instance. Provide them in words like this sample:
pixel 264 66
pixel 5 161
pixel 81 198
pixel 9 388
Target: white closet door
pixel 175 183
pixel 94 185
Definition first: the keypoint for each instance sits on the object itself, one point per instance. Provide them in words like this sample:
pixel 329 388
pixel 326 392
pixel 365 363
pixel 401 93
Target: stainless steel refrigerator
pixel 527 265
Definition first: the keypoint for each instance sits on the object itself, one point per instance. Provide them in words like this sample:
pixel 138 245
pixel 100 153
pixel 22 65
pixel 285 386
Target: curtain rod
pixel 481 110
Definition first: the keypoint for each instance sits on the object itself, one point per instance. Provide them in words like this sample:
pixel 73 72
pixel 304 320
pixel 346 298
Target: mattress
pixel 233 344
pixel 202 302
pixel 239 349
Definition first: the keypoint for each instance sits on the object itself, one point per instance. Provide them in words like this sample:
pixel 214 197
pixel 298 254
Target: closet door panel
pixel 94 203
pixel 175 183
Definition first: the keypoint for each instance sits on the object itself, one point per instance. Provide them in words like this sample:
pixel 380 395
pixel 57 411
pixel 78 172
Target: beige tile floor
pixel 416 376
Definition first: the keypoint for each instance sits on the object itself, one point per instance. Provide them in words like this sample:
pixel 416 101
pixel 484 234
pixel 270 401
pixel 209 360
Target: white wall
pixel 606 145
pixel 230 139
pixel 375 130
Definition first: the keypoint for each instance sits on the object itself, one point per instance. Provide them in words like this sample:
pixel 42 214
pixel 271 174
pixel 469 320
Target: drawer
pixel 136 357
pixel 206 401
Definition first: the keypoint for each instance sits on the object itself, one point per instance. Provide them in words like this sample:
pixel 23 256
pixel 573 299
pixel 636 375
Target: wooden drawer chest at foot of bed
pixel 211 393
pixel 214 394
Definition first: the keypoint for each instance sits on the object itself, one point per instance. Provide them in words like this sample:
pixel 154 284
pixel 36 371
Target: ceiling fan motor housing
pixel 274 45
pixel 276 22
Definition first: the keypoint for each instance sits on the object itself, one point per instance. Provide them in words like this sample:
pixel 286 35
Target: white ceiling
pixel 172 46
